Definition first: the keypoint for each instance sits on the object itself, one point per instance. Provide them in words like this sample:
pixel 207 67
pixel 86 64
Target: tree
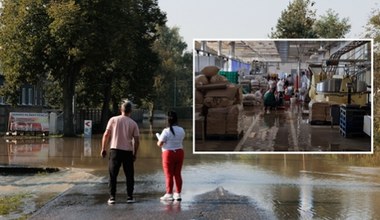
pixel 296 21
pixel 330 26
pixel 172 86
pixel 373 31
pixel 23 36
pixel 103 47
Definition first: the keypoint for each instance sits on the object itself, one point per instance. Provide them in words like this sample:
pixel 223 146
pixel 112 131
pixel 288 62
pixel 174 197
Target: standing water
pixel 281 186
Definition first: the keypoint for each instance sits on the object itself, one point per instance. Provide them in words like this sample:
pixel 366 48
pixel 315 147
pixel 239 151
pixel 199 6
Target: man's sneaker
pixel 167 197
pixel 177 196
pixel 111 201
pixel 130 199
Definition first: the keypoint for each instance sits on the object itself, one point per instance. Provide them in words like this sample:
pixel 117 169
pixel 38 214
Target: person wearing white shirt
pixel 281 91
pixel 171 143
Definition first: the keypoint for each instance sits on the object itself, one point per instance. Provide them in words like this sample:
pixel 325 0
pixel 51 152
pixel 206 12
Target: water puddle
pixel 276 186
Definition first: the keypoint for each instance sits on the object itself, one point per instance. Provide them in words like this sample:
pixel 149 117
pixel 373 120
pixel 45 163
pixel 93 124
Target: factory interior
pixel 308 96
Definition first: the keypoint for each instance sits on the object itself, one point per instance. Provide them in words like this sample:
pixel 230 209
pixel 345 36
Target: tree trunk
pixel 68 95
pixel 151 113
pixel 106 103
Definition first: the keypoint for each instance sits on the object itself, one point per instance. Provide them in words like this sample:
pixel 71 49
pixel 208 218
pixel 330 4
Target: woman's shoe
pixel 167 197
pixel 177 196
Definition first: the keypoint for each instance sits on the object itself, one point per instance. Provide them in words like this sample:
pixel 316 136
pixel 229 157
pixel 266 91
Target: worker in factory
pixel 258 96
pixel 280 90
pixel 270 101
pixel 271 83
pixel 304 86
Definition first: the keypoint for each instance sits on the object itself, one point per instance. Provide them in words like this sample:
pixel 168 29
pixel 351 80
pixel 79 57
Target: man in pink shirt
pixel 123 134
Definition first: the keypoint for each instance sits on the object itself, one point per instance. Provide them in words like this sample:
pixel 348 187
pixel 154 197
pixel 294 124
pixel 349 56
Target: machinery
pixel 351 87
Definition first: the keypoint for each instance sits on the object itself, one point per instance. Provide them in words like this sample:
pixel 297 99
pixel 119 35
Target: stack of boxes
pixel 218 104
pixel 323 113
pixel 319 112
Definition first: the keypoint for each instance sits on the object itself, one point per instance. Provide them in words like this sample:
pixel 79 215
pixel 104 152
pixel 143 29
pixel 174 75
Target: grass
pixel 9 204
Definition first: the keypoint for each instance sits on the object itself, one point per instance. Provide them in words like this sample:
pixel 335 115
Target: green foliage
pixel 98 50
pixel 298 21
pixel 172 80
pixel 23 37
pixel 373 29
pixel 330 26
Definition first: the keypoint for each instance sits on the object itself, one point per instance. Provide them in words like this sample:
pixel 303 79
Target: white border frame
pixel 288 152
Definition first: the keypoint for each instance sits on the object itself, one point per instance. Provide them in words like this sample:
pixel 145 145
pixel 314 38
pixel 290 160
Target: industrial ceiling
pixel 285 51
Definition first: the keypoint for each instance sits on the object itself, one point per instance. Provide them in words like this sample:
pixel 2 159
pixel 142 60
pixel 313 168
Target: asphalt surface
pixel 89 201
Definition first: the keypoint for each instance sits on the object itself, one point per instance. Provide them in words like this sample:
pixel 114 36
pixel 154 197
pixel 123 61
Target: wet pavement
pixel 87 202
pixel 235 187
pixel 285 130
pixel 215 186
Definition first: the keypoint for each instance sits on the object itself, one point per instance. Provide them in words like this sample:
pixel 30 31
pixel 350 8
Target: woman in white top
pixel 170 142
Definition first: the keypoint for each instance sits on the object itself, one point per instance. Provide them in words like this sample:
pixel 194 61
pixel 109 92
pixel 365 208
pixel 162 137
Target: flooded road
pixel 280 186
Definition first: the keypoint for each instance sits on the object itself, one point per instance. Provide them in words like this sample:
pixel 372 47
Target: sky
pixel 251 19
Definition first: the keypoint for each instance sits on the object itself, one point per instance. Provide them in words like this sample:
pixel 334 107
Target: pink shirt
pixel 123 130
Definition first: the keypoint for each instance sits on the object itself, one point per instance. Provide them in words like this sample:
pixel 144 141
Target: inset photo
pixel 283 96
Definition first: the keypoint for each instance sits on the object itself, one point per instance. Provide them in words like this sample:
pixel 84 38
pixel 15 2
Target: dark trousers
pixel 116 159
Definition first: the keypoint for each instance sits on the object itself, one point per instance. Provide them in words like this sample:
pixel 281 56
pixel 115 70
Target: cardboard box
pixel 234 120
pixel 216 121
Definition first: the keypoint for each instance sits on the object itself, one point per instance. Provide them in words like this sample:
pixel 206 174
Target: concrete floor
pixel 285 130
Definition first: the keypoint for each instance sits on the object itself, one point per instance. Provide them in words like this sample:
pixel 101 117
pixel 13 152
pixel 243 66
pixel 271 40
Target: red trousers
pixel 172 164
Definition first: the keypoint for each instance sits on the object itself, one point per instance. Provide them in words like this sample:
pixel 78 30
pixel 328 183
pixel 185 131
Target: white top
pixel 172 142
pixel 304 82
pixel 280 86
pixel 272 84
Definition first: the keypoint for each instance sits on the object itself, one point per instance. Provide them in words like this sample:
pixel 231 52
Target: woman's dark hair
pixel 172 120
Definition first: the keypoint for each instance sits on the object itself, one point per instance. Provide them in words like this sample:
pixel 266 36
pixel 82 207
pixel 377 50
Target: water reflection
pixel 19 151
pixel 322 191
pixel 283 186
pixel 82 152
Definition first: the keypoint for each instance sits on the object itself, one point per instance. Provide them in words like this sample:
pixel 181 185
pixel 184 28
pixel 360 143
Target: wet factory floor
pixel 285 130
